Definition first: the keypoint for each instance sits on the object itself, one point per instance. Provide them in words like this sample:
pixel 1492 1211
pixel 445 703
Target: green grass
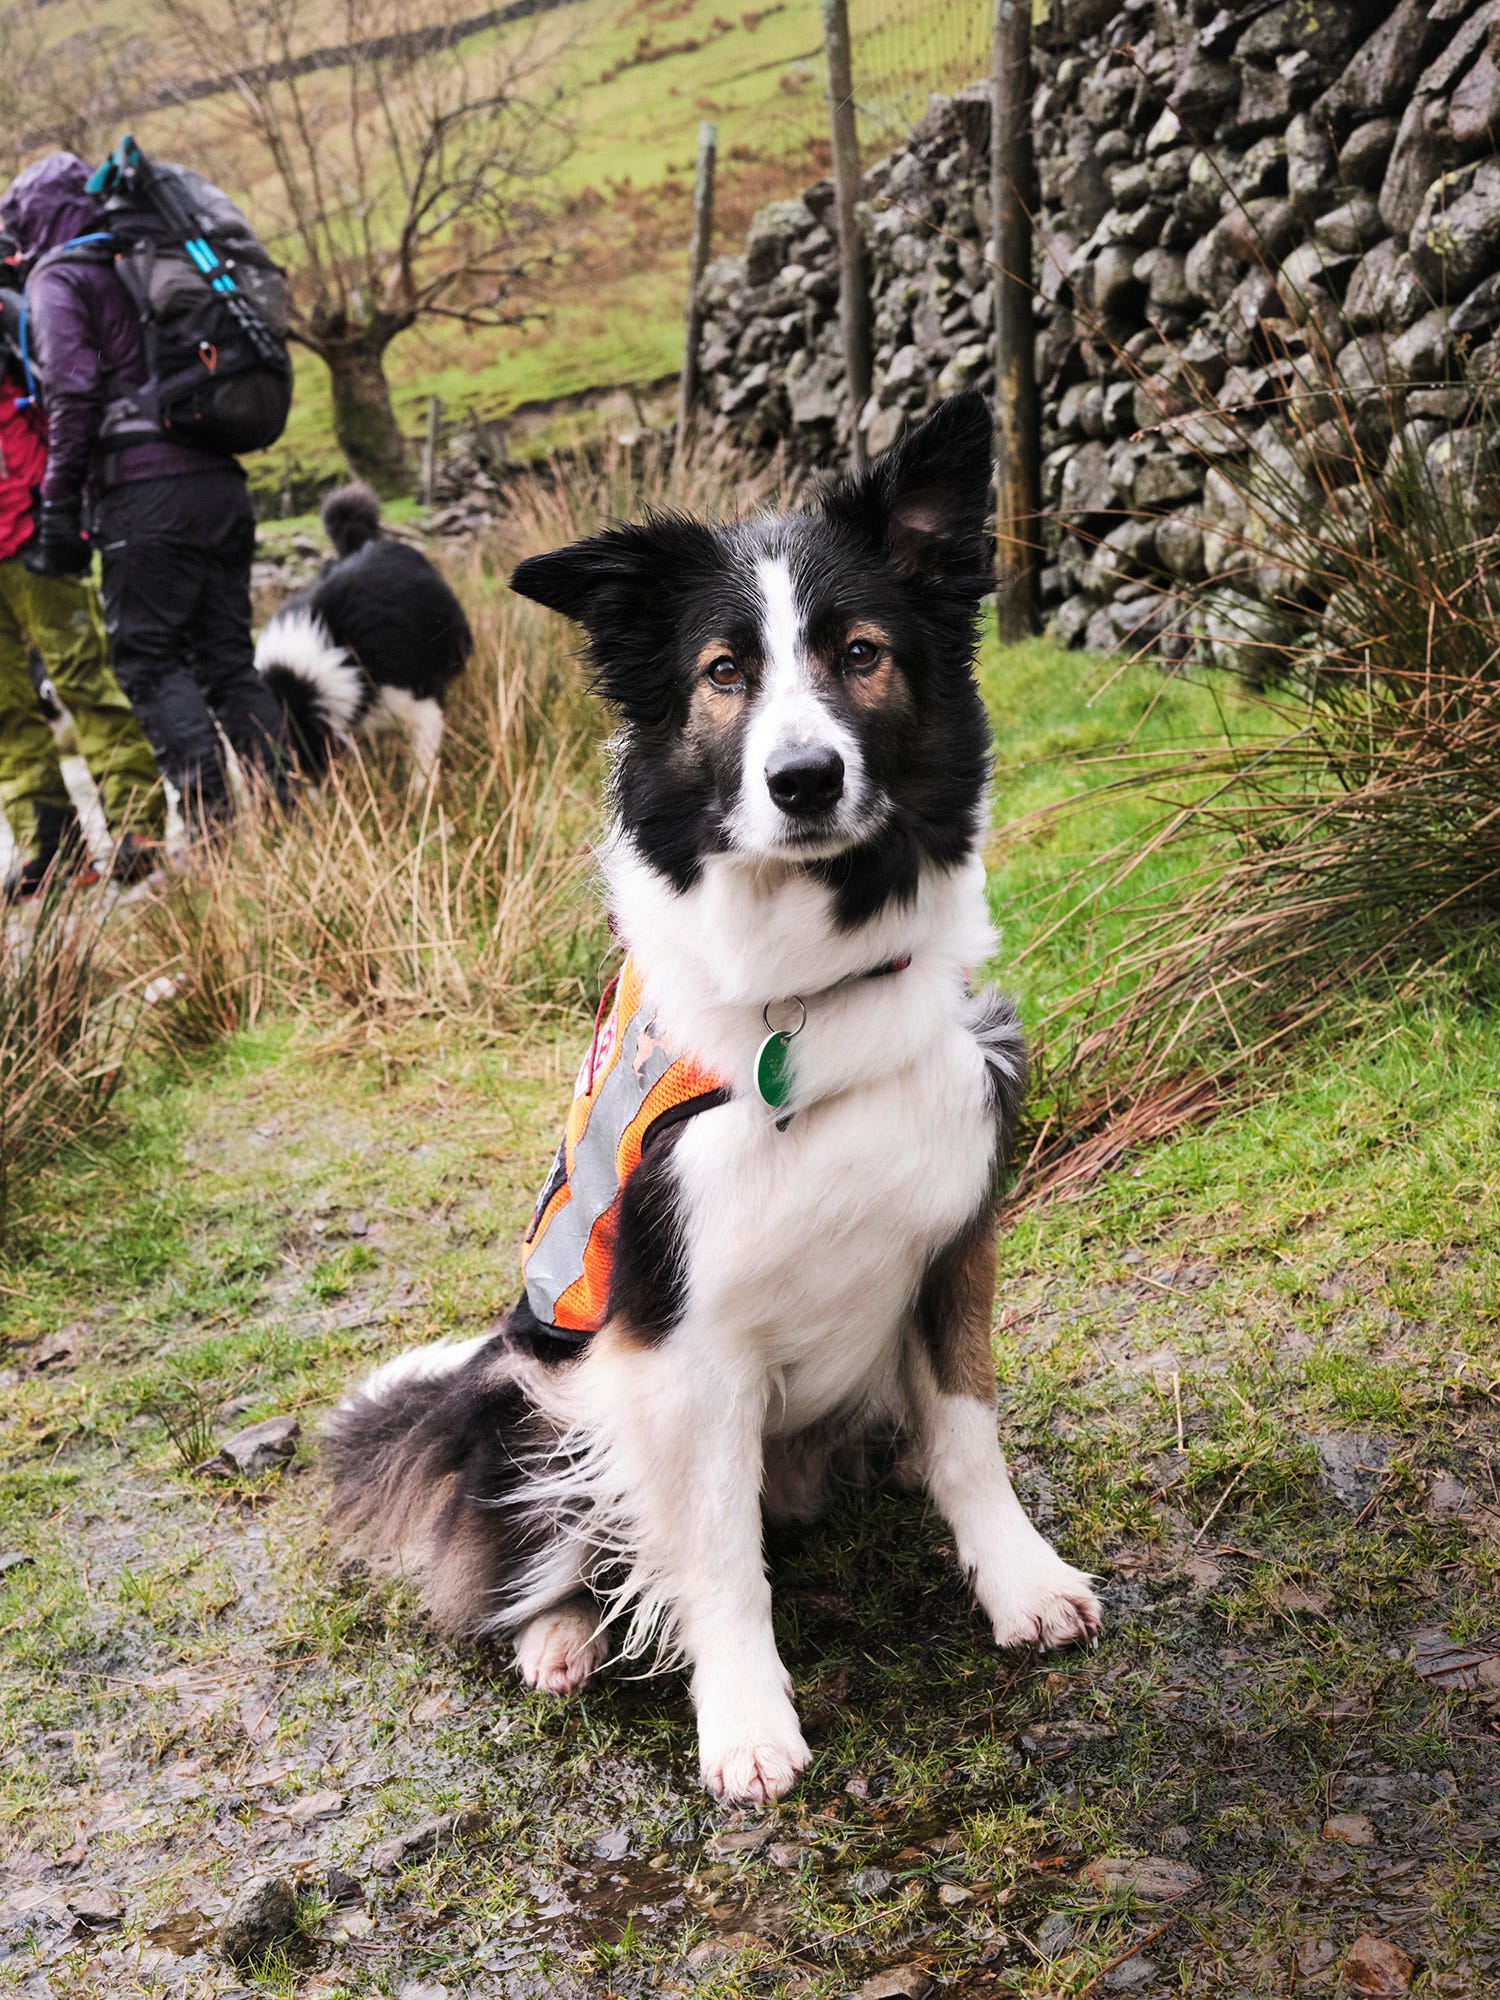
pixel 609 313
pixel 1180 1351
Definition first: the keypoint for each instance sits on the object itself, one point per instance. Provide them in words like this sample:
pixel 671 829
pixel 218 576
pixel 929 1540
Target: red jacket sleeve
pixel 66 342
pixel 23 459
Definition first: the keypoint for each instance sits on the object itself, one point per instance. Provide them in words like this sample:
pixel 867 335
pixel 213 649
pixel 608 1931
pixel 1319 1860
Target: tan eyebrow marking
pixel 878 685
pixel 716 649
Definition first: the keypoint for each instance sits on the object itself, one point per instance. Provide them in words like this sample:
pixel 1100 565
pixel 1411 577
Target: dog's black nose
pixel 806 781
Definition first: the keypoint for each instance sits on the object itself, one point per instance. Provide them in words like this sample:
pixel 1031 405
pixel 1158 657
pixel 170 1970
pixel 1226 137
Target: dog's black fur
pixel 385 612
pixel 906 546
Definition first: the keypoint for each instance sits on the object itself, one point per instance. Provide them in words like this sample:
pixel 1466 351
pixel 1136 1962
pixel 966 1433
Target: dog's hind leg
pixel 563 1647
pixel 421 721
pixel 434 1457
pixel 1030 1595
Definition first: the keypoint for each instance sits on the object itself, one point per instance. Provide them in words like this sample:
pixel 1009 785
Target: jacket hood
pixel 48 203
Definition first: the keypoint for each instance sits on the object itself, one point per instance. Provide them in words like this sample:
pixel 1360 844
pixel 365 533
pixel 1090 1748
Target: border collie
pixel 375 642
pixel 784 1265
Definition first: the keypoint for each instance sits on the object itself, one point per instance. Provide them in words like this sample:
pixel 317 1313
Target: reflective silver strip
pixel 556 1258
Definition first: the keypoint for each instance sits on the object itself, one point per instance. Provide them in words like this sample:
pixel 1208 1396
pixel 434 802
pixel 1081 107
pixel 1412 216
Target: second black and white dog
pixel 374 644
pixel 780 1263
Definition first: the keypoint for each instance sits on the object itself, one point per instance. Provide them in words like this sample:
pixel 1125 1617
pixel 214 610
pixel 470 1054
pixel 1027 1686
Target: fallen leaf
pixel 1149 1876
pixel 421 1840
pixel 897 1982
pixel 1445 1662
pixel 1447 1495
pixel 1353 1828
pixel 98 1909
pixel 258 1718
pixel 1375 1965
pixel 731 1945
pixel 314 1805
pixel 57 1350
pixel 266 1774
pixel 1297 1597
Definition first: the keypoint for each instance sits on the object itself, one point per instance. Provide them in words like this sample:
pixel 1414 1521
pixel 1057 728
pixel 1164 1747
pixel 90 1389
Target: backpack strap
pixel 97 247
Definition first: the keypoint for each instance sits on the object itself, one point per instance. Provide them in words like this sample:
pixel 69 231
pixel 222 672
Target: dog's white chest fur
pixel 805 1247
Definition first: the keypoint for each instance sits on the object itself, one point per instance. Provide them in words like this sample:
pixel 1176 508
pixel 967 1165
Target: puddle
pixel 599 1909
pixel 183 1934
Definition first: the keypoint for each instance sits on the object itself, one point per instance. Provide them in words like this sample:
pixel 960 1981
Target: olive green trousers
pixel 59 616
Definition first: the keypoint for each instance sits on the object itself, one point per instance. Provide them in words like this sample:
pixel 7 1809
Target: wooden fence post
pixel 854 282
pixel 703 223
pixel 430 448
pixel 1017 427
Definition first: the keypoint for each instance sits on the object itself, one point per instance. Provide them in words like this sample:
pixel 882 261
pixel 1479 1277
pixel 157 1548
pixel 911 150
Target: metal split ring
pixel 785 1033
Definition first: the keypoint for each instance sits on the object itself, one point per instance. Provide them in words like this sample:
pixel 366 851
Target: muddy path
pixel 1276 1775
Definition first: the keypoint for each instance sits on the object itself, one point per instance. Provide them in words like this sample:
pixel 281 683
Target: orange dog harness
pixel 629 1090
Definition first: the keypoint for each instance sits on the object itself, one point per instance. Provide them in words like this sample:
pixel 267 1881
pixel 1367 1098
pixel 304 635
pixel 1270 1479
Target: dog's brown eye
pixel 723 673
pixel 860 655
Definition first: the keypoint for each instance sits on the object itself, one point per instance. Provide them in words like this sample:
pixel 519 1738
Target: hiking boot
pixel 135 858
pixel 62 854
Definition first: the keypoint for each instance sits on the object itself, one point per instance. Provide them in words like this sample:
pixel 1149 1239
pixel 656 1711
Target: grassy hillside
pixel 636 77
pixel 1250 1378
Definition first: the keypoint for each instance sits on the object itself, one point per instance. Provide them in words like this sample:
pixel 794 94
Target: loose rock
pixel 262 1915
pixel 257 1448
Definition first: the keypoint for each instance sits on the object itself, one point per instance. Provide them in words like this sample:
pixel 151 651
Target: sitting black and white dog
pixel 374 643
pixel 779 1259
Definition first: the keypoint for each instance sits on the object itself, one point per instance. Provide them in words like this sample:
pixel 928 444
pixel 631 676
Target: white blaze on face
pixel 789 715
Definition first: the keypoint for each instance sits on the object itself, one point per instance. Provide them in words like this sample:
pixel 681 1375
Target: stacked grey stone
pixel 771 359
pixel 1234 199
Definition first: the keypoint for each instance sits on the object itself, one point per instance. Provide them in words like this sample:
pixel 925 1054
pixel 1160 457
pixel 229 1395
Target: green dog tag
pixel 773 1070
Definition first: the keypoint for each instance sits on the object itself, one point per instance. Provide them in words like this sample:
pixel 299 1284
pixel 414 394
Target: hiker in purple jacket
pixel 173 524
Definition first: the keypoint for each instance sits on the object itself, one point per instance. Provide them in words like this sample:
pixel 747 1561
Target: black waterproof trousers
pixel 175 556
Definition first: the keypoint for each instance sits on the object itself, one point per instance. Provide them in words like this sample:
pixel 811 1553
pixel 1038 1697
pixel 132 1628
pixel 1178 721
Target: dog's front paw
pixel 1045 1602
pixel 561 1648
pixel 752 1760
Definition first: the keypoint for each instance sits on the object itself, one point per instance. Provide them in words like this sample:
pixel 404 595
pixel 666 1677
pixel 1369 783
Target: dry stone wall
pixel 1243 207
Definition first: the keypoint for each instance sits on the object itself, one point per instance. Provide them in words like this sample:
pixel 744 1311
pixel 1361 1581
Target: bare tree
pixel 406 177
pixel 63 94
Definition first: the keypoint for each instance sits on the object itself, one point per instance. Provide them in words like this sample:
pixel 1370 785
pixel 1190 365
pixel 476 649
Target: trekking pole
pixel 128 167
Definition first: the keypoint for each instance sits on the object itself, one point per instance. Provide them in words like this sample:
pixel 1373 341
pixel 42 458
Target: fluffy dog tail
pixel 322 689
pixel 431 1456
pixel 351 517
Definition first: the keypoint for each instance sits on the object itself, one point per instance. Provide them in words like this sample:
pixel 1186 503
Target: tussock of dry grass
pixel 65 1020
pixel 1344 831
pixel 372 904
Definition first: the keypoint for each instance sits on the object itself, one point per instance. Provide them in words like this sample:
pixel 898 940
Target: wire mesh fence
pixel 904 50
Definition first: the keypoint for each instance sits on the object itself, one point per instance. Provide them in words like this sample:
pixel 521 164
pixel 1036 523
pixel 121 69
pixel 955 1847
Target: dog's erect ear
pixel 925 502
pixel 625 587
pixel 612 577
